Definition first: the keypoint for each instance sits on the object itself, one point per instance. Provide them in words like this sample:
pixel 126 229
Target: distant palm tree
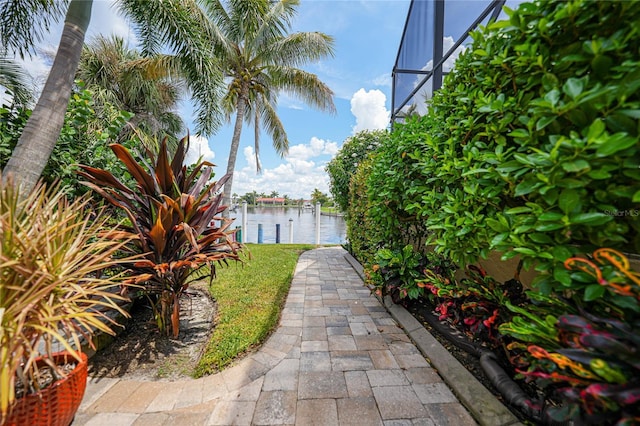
pixel 120 76
pixel 175 24
pixel 260 60
pixel 319 197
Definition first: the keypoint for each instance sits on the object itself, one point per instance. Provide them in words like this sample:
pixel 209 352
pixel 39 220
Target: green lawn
pixel 249 300
pixel 334 210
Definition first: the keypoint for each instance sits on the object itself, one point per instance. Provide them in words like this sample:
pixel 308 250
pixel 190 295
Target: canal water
pixel 333 229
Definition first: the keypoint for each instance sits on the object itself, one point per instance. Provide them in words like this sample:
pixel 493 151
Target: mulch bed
pixel 420 308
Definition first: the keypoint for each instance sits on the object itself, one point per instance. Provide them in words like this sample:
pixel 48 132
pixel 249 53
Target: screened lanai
pixel 435 32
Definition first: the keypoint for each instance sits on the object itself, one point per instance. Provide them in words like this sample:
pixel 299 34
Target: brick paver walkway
pixel 337 358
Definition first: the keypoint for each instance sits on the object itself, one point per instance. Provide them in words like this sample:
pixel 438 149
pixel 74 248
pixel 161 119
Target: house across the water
pixel 266 201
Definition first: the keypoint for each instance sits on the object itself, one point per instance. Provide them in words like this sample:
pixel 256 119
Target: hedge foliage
pixel 363 235
pixel 531 147
pixel 343 166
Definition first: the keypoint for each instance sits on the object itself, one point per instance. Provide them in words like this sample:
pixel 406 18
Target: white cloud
pixel 370 110
pixel 287 100
pixel 383 80
pixel 198 147
pixel 314 148
pixel 301 173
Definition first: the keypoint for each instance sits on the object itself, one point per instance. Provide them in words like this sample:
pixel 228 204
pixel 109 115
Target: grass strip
pixel 249 298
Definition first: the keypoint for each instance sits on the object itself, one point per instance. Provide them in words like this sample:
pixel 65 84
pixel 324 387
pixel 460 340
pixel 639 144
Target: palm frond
pixel 299 49
pixel 12 77
pixel 187 33
pixel 274 128
pixel 275 24
pixel 24 23
pixel 306 86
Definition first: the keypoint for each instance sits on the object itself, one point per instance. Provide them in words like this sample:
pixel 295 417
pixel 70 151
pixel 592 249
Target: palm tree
pixel 120 76
pixel 42 129
pixel 261 59
pixel 177 24
pixel 319 197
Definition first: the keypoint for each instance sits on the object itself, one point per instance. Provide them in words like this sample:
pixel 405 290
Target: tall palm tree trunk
pixel 42 130
pixel 233 152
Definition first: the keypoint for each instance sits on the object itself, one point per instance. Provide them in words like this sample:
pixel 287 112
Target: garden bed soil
pixel 141 352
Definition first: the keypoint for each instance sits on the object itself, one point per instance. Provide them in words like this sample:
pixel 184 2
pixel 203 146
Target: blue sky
pixel 367 34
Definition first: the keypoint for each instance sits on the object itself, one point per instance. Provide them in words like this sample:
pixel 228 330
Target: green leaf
pixel 569 201
pixel 616 143
pixel 552 97
pixel 575 166
pixel 550 81
pixel 632 113
pixel 596 129
pixel 498 239
pixel 545 121
pixel 601 65
pixel 599 174
pixel 550 217
pixel 496 225
pixel 591 218
pixel 516 210
pixel 563 276
pixel 573 87
pixel 526 187
pixel 524 250
pixel 561 253
pixel 540 238
pixel 519 133
pixel 593 292
pixel 636 197
pixel 549 227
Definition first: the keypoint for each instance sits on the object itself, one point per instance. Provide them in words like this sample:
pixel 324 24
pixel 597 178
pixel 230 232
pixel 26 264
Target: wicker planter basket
pixel 55 405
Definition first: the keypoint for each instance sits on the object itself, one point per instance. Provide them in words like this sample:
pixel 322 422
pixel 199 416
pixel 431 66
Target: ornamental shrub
pixel 531 147
pixel 395 185
pixel 361 232
pixel 343 166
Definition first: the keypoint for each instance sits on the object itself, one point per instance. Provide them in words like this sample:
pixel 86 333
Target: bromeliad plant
pixel 175 223
pixel 54 285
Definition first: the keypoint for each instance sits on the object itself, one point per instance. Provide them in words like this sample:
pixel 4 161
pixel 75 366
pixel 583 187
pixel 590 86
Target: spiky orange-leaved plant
pixel 175 223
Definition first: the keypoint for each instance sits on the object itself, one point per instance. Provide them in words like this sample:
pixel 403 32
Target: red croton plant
pixel 174 221
pixel 585 350
pixel 581 347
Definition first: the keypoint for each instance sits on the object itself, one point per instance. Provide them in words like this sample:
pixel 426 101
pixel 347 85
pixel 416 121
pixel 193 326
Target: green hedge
pixel 531 147
pixel 362 233
pixel 343 166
